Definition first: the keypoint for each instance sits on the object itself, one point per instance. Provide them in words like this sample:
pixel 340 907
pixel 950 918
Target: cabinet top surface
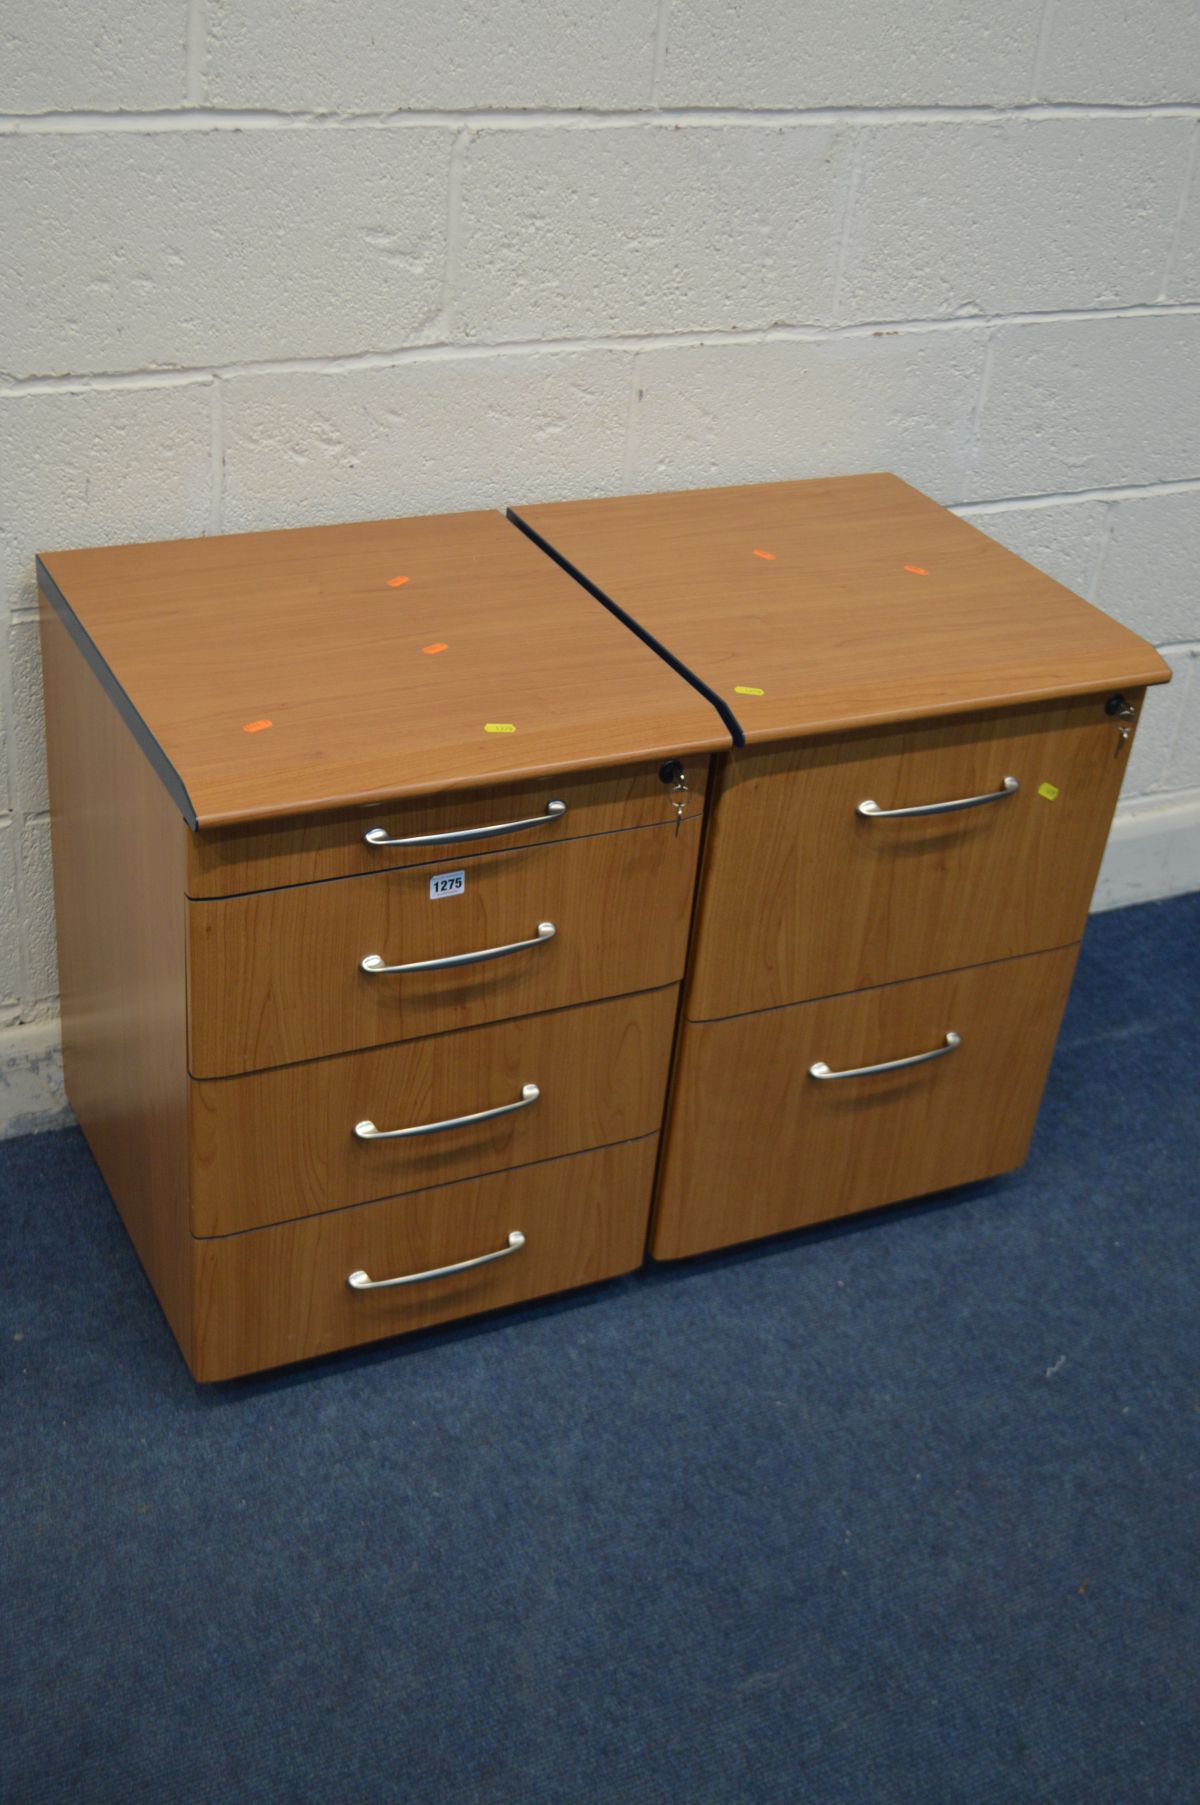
pixel 270 674
pixel 811 607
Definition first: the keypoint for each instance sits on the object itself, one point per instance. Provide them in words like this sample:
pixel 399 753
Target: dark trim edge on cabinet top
pixel 162 765
pixel 710 695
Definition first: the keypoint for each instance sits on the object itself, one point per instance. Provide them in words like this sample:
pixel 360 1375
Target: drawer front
pixel 281 1294
pixel 757 1145
pixel 233 861
pixel 278 977
pixel 803 897
pixel 275 1145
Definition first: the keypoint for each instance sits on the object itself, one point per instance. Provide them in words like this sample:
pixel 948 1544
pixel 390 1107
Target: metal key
pixel 679 796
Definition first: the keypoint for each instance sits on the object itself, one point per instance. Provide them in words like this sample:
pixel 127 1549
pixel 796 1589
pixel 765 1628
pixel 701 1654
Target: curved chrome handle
pixel 373 963
pixel 871 811
pixel 358 1281
pixel 378 836
pixel 367 1131
pixel 952 1040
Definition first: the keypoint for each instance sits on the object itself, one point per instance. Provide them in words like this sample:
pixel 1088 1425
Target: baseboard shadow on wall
pixel 31 1079
pixel 1153 852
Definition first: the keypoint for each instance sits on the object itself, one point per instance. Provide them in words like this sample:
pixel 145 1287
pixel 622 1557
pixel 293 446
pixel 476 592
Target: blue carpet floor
pixel 901 1510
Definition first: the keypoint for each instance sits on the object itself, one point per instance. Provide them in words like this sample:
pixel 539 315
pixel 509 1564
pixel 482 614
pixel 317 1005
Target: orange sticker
pixel 256 726
pixel 769 556
pixel 440 646
pixel 397 582
pixel 916 570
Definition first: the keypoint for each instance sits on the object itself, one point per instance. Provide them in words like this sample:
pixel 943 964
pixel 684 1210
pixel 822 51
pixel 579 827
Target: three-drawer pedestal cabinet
pixel 382 853
pixel 374 870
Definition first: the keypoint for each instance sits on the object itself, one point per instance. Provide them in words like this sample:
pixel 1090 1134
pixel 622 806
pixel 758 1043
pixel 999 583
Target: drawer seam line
pixel 381 1046
pixel 420 1190
pixel 602 833
pixel 831 996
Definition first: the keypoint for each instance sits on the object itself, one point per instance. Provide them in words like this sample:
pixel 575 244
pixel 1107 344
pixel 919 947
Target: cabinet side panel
pixel 119 860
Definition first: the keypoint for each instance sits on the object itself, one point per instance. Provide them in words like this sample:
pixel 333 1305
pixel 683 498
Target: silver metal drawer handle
pixel 379 836
pixel 367 1131
pixel 546 931
pixel 952 1040
pixel 358 1281
pixel 871 811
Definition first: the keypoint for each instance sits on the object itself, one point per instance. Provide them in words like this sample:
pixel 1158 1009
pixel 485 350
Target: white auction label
pixel 448 883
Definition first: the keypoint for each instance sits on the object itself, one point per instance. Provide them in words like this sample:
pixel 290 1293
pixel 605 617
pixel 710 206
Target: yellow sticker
pixel 498 727
pixel 746 689
pixel 1048 791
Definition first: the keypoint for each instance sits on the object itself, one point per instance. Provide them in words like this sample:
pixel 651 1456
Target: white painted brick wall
pixel 856 53
pixel 1063 538
pixel 373 56
pixel 1150 578
pixel 813 407
pixel 1114 50
pixel 459 432
pixel 154 250
pixel 648 229
pixel 1164 752
pixel 61 54
pixel 99 466
pixel 12 979
pixel 266 264
pixel 1085 404
pixel 1012 216
pixel 5 790
pixel 1183 280
pixel 25 730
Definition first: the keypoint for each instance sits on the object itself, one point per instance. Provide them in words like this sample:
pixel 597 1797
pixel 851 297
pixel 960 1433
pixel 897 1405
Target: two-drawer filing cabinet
pixel 374 855
pixel 929 740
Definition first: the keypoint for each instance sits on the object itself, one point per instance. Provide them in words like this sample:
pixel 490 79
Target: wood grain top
pixel 270 674
pixel 813 607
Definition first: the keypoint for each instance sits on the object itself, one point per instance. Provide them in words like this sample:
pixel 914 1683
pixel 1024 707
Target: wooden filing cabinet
pixel 929 737
pixel 373 878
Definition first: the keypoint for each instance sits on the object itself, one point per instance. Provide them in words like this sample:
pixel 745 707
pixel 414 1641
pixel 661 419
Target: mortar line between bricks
pixel 1107 528
pixel 216 472
pixel 195 50
pixel 1185 195
pixel 455 351
pixel 102 381
pixel 216 119
pixel 454 188
pixel 971 461
pixel 632 425
pixel 1039 54
pixel 659 59
pixel 848 200
pixel 1182 485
